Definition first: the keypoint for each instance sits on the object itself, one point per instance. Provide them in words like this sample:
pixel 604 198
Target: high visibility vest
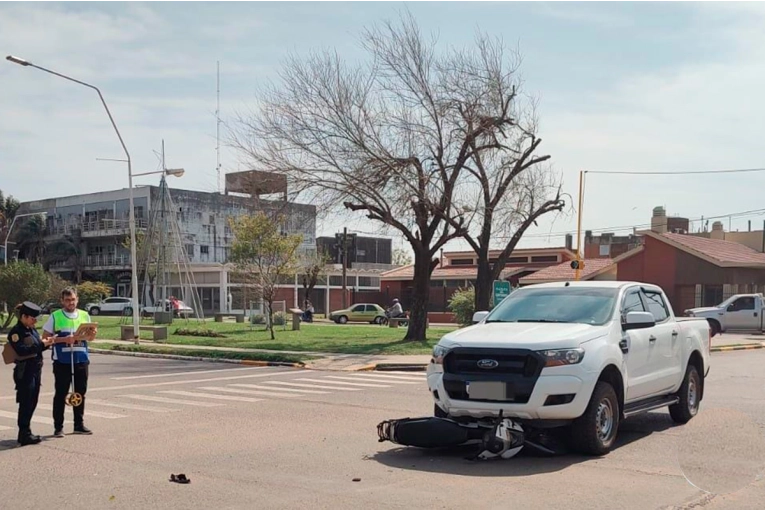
pixel 62 352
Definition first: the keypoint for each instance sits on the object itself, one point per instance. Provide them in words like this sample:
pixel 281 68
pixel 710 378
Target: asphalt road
pixel 282 438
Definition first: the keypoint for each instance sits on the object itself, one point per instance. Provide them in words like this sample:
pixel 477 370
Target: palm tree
pixel 30 240
pixel 70 250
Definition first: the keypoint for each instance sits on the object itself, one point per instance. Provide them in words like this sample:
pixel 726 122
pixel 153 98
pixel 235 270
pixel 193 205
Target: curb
pixel 750 347
pixel 396 367
pixel 252 363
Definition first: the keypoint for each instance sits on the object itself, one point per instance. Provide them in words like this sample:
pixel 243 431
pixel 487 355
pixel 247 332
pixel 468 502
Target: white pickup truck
pixel 742 312
pixel 581 355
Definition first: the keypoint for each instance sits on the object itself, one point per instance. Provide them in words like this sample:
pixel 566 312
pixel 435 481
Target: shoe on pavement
pixel 30 439
pixel 82 429
pixel 58 433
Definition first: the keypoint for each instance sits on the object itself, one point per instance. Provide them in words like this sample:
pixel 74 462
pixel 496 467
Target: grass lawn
pixel 203 353
pixel 346 339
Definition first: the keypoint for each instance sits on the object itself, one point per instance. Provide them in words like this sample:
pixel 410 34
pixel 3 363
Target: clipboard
pixel 86 332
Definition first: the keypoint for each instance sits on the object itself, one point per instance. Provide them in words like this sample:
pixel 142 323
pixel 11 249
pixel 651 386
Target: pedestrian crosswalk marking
pixel 362 385
pixel 192 372
pixel 208 395
pixel 257 387
pixel 89 412
pixel 131 406
pixel 35 419
pixel 370 378
pixel 165 400
pixel 418 375
pixel 250 392
pixel 298 385
pixel 3 427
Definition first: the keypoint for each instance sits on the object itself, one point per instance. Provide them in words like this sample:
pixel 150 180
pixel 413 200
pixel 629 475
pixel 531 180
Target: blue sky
pixel 622 86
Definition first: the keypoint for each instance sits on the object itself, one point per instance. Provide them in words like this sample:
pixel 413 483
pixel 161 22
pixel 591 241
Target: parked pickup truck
pixel 742 312
pixel 580 355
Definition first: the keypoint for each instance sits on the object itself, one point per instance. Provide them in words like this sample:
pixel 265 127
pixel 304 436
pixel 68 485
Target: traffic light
pixel 577 264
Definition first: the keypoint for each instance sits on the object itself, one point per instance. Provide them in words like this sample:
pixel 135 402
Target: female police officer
pixel 28 347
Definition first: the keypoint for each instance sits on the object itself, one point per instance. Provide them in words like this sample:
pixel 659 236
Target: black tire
pixel 438 412
pixel 594 433
pixel 689 393
pixel 342 319
pixel 94 311
pixel 377 320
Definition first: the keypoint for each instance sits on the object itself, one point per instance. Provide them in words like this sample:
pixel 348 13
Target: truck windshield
pixel 559 304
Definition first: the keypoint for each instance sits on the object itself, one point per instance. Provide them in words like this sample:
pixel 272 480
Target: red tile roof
pixel 563 271
pixel 716 251
pixel 448 272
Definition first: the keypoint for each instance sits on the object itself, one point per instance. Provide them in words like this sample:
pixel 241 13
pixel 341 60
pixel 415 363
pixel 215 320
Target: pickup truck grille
pixel 519 369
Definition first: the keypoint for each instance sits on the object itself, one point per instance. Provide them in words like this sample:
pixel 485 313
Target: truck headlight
pixel 439 353
pixel 563 357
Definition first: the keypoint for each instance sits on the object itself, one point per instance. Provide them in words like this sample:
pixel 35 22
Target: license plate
pixel 486 390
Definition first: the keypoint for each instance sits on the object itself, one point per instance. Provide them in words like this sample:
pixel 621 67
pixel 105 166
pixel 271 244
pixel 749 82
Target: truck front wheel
pixel 594 433
pixel 689 394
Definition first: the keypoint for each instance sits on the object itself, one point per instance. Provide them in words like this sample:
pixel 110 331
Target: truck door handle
pixel 623 346
pixel 674 334
pixel 651 338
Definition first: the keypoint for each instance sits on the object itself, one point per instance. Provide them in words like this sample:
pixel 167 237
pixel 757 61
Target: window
pixel 632 303
pixel 335 280
pixel 365 281
pixel 461 262
pixel 358 309
pixel 656 306
pixel 204 249
pixel 517 260
pixel 212 220
pixel 582 305
pixel 743 303
pixel 605 250
pixel 371 308
pixel 453 284
pixel 545 258
pixel 436 283
pixel 190 250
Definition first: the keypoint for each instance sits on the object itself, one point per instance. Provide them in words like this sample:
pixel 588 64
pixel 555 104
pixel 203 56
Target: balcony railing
pixel 96 227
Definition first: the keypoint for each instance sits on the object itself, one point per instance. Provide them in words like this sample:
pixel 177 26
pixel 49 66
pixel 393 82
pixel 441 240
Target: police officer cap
pixel 31 309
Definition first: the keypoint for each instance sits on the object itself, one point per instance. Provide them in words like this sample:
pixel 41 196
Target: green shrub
pixel 257 319
pixel 280 319
pixel 209 333
pixel 462 305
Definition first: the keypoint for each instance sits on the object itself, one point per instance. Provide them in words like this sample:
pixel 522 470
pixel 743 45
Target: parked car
pixel 742 312
pixel 50 307
pixel 112 305
pixel 579 355
pixel 179 308
pixel 362 312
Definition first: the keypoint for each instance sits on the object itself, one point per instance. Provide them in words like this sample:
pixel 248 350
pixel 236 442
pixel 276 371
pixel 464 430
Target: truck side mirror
pixel 732 307
pixel 479 316
pixel 638 320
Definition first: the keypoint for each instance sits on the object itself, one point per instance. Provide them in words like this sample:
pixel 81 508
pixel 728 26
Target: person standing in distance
pixel 27 374
pixel 64 323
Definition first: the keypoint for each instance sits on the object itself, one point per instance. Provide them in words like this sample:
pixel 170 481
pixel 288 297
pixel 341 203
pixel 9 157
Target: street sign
pixel 501 291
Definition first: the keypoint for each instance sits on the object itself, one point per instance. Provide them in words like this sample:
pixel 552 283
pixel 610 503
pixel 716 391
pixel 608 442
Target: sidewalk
pixel 358 362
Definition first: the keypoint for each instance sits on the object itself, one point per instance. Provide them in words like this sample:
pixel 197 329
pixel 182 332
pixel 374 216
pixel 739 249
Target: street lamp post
pixel 134 275
pixel 10 229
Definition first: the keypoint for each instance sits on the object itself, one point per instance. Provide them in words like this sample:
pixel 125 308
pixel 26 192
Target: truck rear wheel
pixel 689 393
pixel 594 433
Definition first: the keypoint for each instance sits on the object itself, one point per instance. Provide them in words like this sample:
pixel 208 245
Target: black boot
pixel 28 438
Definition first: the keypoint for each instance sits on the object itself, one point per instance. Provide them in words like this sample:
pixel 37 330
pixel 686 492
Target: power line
pixel 752 212
pixel 680 172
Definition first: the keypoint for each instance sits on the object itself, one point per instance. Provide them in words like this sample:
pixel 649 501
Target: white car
pixel 581 355
pixel 112 305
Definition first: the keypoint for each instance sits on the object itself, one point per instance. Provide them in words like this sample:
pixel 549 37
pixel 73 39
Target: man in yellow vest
pixel 63 323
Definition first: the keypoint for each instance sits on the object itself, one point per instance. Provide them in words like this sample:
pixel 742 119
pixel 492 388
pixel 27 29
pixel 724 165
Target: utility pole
pixel 345 266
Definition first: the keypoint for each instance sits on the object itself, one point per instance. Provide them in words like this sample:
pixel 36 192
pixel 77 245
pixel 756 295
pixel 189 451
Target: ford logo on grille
pixel 488 364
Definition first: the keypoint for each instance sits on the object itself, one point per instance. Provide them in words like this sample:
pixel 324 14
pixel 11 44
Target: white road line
pixel 35 419
pixel 256 387
pixel 422 375
pixel 88 412
pixel 191 372
pixel 249 392
pixel 298 385
pixel 325 381
pixel 131 406
pixel 391 377
pixel 164 400
pixel 207 395
pixel 368 378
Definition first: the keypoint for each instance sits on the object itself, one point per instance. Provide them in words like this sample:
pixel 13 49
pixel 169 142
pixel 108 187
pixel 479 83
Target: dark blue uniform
pixel 27 373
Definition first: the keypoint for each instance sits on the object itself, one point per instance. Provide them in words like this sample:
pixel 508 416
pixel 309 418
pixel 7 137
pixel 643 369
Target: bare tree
pixel 393 137
pixel 312 265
